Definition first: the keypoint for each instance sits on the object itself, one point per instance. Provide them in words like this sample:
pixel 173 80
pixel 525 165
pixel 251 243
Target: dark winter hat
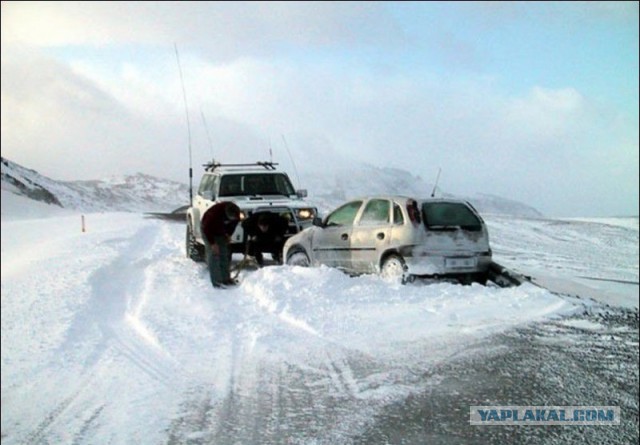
pixel 263 219
pixel 232 211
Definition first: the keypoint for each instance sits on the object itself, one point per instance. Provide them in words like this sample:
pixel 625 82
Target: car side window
pixel 398 218
pixel 205 184
pixel 344 215
pixel 375 212
pixel 213 186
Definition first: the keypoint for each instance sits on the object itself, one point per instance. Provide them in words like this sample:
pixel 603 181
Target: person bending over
pixel 218 224
pixel 266 233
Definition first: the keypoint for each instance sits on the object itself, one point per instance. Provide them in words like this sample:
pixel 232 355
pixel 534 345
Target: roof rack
pixel 212 166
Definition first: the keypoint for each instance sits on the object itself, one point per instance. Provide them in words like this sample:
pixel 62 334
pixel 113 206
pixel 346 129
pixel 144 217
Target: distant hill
pixel 145 193
pixel 130 193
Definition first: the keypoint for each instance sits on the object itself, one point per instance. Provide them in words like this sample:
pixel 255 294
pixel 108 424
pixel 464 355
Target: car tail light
pixel 414 213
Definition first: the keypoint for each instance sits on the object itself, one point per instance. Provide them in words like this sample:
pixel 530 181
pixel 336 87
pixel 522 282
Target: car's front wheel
pixel 298 258
pixel 393 268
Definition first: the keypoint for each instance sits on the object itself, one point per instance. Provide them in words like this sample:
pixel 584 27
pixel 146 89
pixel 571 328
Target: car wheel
pixel 194 250
pixel 393 266
pixel 298 258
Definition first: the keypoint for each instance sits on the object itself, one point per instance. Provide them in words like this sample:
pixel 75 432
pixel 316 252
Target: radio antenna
pixel 433 193
pixel 206 128
pixel 186 110
pixel 292 161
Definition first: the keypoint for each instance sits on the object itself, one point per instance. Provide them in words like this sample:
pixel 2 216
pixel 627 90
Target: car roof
pixel 407 197
pixel 398 196
pixel 441 200
pixel 242 171
pixel 258 167
pixel 369 197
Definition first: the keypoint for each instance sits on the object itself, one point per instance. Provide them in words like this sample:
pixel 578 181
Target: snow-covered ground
pixel 591 257
pixel 113 336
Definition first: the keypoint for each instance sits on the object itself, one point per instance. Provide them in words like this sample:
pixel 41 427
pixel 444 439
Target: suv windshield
pixel 255 184
pixel 449 216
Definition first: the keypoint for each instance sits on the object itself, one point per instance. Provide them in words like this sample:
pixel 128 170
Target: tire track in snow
pixel 203 404
pixel 38 434
pixel 268 396
pixel 88 425
pixel 102 323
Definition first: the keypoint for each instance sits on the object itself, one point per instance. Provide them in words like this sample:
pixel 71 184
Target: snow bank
pixel 377 317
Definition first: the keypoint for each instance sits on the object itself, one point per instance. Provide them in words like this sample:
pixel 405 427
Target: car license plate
pixel 460 263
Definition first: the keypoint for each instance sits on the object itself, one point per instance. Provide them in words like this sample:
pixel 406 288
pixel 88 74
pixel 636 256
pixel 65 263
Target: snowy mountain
pixel 496 205
pixel 144 193
pixel 132 193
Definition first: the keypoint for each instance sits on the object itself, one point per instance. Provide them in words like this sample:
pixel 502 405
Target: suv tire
pixel 194 250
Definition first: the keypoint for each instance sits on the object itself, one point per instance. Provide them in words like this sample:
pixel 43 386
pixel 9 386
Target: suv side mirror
pixel 317 221
pixel 302 193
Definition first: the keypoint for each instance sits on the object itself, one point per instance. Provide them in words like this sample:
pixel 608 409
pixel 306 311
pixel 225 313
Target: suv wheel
pixel 194 250
pixel 298 258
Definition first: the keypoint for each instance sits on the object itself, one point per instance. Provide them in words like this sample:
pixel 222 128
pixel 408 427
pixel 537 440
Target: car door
pixel 204 199
pixel 370 235
pixel 331 244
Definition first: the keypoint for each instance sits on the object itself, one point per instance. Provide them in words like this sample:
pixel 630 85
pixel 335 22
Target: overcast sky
pixel 531 101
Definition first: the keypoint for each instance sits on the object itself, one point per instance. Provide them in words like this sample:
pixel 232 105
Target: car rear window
pixel 449 216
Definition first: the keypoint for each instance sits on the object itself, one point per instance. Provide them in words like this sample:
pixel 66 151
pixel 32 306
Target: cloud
pixel 66 126
pixel 483 140
pixel 255 72
pixel 221 30
pixel 493 13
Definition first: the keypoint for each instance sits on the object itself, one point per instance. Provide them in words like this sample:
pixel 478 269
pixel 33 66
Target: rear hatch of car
pixel 453 229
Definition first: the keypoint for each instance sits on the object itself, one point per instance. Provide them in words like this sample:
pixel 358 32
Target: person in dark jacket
pixel 217 225
pixel 265 233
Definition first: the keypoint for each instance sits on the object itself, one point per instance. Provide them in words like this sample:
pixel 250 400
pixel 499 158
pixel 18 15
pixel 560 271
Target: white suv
pixel 258 187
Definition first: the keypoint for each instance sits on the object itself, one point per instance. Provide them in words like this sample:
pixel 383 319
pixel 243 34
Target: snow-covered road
pixel 114 336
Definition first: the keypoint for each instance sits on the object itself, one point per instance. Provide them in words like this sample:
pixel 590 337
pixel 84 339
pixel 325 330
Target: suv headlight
pixel 305 213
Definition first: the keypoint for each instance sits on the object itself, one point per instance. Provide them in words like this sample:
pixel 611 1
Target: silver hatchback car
pixel 398 236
